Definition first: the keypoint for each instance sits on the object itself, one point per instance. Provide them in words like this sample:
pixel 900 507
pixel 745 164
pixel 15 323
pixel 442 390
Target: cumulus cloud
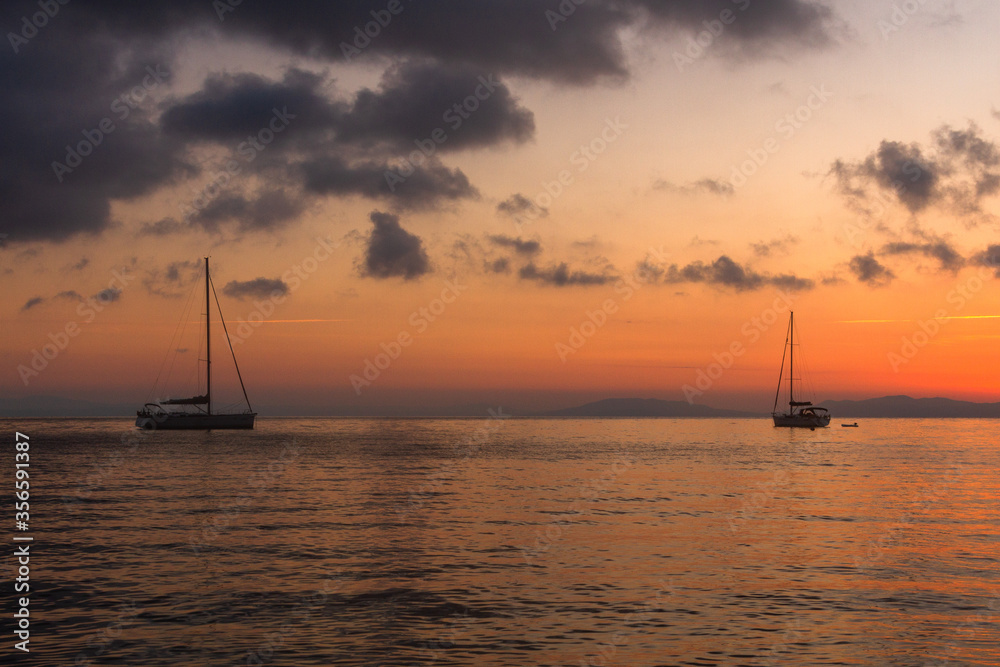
pixel 393 252
pixel 258 288
pixel 870 271
pixel 172 280
pixel 955 172
pixel 775 247
pixel 724 272
pixel 989 258
pixel 108 295
pixel 560 275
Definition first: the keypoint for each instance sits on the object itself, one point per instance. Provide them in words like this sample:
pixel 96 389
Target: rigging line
pixel 231 350
pixel 175 336
pixel 781 371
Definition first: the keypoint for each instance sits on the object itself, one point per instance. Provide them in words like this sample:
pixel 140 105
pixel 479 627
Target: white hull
pixel 177 421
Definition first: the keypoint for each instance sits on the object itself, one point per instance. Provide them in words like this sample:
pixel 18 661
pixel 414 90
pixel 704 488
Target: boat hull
pixel 801 421
pixel 193 422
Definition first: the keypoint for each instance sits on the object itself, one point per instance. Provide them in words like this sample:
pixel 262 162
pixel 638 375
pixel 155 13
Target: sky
pixel 508 202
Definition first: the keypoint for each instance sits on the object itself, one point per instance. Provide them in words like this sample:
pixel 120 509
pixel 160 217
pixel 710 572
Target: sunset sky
pixel 546 203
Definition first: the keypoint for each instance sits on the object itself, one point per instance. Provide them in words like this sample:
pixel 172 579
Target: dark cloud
pixel 989 258
pixel 429 185
pixel 467 108
pixel 231 108
pixel 519 246
pixel 956 172
pixel 31 303
pixel 517 205
pixel 942 251
pixel 71 145
pixel 724 272
pixel 757 24
pixel 267 210
pixel 81 265
pixel 109 295
pixel 70 294
pixel 870 271
pixel 560 276
pixel 258 288
pixel 392 251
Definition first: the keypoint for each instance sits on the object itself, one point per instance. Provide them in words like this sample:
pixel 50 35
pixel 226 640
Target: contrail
pixel 949 317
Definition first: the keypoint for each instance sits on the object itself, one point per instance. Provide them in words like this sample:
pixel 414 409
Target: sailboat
pixel 156 416
pixel 801 414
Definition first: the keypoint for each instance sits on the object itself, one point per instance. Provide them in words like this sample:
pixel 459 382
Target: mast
pixel 791 358
pixel 208 341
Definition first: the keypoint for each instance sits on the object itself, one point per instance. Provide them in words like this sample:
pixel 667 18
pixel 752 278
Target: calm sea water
pixel 511 542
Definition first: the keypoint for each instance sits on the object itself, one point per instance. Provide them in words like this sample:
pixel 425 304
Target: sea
pixel 505 541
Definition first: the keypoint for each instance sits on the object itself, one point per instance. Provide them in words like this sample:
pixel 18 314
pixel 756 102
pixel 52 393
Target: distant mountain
pixel 905 406
pixel 644 407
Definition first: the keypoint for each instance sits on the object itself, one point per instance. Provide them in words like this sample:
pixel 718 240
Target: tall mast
pixel 208 341
pixel 791 358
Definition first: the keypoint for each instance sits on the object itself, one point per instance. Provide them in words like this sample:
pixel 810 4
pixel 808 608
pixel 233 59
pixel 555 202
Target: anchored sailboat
pixel 155 416
pixel 800 413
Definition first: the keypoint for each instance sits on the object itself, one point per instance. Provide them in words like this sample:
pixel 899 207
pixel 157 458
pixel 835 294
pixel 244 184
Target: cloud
pixel 947 256
pixel 870 271
pixel 518 205
pixel 429 185
pixel 415 99
pixel 81 265
pixel 258 288
pixel 560 276
pixel 777 246
pixel 724 272
pixel 109 295
pixel 31 303
pixel 501 265
pixel 163 227
pixel 171 280
pixel 393 252
pixel 955 173
pixel 528 248
pixel 70 294
pixel 268 210
pixel 989 258
pixel 709 186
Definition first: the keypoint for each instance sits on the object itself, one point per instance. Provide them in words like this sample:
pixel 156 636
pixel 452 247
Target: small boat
pixel 854 425
pixel 154 416
pixel 801 414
